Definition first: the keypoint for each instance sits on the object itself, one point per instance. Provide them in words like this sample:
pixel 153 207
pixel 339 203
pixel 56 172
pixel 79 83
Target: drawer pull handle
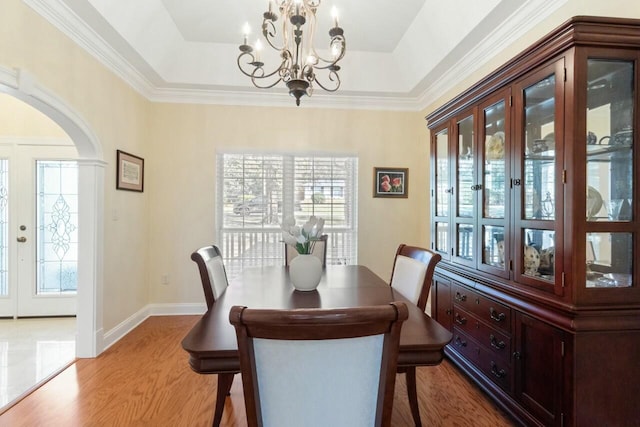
pixel 498 373
pixel 460 320
pixel 448 311
pixel 495 343
pixel 460 343
pixel 460 298
pixel 498 317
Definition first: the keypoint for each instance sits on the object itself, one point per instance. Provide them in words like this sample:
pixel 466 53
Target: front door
pixel 38 225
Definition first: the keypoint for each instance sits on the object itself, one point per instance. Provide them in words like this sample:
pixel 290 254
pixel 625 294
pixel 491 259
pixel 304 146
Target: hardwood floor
pixel 145 380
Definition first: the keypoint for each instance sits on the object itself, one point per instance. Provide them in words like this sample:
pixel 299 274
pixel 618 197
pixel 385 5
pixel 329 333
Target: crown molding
pixel 517 25
pixel 281 99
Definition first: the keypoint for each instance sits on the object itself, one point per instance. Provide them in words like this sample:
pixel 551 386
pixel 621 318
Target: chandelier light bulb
pixel 334 15
pixel 246 30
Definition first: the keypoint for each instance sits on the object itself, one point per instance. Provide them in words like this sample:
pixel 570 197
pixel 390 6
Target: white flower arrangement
pixel 302 238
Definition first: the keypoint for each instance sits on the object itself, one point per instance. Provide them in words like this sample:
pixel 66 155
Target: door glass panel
pixel 493 246
pixel 539 254
pixel 4 228
pixel 466 174
pixel 539 179
pixel 465 241
pixel 57 227
pixel 443 186
pixel 609 260
pixel 442 236
pixel 494 161
pixel 609 141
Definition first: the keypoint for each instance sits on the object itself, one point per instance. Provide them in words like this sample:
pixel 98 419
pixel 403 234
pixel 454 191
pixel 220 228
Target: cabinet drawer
pixel 496 369
pixel 466 346
pixel 493 339
pixel 488 310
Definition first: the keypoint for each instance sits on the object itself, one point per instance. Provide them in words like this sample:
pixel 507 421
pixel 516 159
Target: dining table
pixel 213 348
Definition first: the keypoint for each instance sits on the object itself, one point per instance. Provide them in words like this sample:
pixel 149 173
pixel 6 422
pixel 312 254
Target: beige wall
pixel 181 172
pixel 119 118
pixel 18 119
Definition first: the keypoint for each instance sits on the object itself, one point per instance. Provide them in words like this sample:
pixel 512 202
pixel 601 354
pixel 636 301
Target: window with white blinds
pixel 256 191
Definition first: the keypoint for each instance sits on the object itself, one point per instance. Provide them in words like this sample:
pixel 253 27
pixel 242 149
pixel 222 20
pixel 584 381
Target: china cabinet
pixel 534 209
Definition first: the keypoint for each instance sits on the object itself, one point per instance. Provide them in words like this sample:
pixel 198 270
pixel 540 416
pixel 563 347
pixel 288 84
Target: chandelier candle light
pixel 300 64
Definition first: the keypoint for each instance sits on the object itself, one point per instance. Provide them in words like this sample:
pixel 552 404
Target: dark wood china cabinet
pixel 535 176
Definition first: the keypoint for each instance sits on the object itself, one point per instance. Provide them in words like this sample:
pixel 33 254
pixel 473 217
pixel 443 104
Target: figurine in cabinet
pixel 531 261
pixel 495 147
pixel 547 260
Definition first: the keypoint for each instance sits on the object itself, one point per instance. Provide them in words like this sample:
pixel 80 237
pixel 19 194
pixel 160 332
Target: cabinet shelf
pixel 598 150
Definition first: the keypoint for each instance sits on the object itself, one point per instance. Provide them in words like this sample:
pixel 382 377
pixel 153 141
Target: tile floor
pixel 31 350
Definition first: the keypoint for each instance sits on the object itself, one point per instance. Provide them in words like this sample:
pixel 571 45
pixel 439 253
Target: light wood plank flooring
pixel 145 380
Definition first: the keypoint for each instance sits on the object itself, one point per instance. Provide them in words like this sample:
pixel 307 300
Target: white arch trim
pixel 24 86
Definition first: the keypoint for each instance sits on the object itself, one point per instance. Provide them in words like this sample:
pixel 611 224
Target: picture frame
pixel 130 172
pixel 390 182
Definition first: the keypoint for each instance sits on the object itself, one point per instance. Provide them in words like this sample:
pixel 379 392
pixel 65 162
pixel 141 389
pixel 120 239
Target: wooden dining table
pixel 212 344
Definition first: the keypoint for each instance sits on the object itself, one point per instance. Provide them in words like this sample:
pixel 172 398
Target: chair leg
pixel 413 395
pixel 224 387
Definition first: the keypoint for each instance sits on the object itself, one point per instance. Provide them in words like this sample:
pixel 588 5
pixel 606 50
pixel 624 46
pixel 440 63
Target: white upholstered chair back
pixel 319 250
pixel 412 273
pixel 317 368
pixel 408 277
pixel 319 383
pixel 212 272
pixel 217 276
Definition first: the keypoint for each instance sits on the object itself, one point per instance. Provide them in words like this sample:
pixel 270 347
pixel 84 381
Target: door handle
pixel 22 239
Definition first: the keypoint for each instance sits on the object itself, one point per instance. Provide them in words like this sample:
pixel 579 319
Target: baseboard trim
pixel 116 334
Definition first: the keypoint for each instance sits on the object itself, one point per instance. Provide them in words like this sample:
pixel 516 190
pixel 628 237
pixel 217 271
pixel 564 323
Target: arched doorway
pixel 24 86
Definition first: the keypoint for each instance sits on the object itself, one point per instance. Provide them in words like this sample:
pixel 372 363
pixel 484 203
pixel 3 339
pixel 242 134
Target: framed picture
pixel 130 173
pixel 391 182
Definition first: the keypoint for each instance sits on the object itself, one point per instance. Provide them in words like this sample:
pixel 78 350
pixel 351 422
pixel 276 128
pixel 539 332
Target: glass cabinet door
pixel 493 219
pixel 540 129
pixel 609 173
pixel 442 197
pixel 465 191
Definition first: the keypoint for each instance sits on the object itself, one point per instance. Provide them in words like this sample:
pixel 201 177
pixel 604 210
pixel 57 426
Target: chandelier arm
pixel 253 74
pixel 333 61
pixel 269 33
pixel 334 77
pixel 255 83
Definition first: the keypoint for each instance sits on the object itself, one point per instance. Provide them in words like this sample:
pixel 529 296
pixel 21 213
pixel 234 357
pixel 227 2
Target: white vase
pixel 305 272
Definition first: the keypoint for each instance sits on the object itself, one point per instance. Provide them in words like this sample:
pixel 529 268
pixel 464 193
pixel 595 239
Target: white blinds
pixel 255 192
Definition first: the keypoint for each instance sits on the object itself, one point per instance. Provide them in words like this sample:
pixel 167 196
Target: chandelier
pixel 300 64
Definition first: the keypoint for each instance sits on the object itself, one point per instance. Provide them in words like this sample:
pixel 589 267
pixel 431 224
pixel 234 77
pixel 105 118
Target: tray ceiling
pixel 399 53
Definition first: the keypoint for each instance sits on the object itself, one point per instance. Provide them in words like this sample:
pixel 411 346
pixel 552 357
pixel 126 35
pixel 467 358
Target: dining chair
pixel 319 367
pixel 214 282
pixel 412 276
pixel 319 250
